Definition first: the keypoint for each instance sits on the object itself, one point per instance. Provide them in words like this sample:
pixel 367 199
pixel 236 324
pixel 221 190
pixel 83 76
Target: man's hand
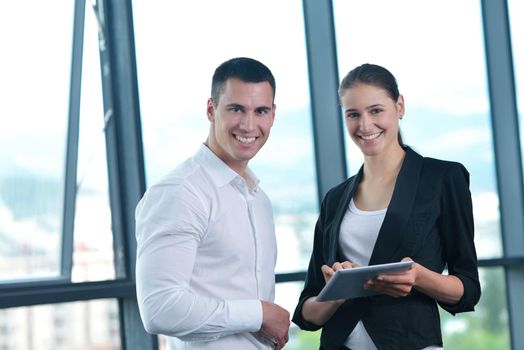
pixel 275 323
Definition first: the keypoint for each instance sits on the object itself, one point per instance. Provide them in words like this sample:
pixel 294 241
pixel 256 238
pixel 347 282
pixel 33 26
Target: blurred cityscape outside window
pixel 35 73
pixel 70 326
pixel 36 77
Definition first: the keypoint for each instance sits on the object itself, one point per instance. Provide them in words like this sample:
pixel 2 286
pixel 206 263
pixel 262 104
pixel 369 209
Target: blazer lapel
pixel 399 210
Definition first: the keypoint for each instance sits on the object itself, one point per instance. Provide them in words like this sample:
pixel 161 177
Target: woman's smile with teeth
pixel 371 136
pixel 245 139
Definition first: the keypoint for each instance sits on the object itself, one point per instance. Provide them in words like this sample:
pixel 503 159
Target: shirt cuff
pixel 245 315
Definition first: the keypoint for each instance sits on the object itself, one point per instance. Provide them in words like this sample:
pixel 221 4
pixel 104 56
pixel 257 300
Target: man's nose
pixel 248 121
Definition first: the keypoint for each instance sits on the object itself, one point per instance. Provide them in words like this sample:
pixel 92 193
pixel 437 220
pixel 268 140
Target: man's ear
pixel 273 112
pixel 210 110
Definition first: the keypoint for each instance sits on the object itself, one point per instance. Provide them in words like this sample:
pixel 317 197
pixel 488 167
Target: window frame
pixel 505 129
pixel 125 156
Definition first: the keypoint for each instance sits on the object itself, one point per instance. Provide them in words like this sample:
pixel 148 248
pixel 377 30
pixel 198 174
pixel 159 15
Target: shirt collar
pixel 221 174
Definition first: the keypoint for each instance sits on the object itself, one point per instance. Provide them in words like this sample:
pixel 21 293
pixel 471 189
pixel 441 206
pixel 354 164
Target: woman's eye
pixel 351 115
pixel 376 111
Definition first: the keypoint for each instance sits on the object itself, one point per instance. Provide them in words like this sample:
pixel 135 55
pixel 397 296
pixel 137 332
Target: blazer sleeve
pixel 314 278
pixel 457 228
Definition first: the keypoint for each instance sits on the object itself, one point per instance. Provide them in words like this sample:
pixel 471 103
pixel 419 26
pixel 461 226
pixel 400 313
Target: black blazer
pixel 430 220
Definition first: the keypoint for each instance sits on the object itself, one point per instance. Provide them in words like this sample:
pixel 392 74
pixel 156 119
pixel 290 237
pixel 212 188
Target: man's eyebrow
pixel 235 105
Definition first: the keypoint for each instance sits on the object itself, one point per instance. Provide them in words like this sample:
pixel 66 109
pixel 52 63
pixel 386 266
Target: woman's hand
pixel 447 289
pixel 328 272
pixel 396 285
pixel 319 312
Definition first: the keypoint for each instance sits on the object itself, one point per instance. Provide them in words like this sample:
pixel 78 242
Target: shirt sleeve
pixel 170 222
pixel 458 237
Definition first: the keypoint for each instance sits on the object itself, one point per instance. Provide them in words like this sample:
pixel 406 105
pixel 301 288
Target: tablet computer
pixel 349 283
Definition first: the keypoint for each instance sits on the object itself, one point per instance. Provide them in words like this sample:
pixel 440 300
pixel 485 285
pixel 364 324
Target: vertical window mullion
pixel 112 153
pixel 124 153
pixel 507 154
pixel 72 142
pixel 323 77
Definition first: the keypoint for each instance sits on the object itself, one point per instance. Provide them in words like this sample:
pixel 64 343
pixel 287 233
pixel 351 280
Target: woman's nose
pixel 365 122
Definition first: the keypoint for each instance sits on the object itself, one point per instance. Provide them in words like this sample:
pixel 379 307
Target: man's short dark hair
pixel 245 69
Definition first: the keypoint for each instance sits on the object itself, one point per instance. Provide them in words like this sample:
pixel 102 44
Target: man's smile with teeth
pixel 371 137
pixel 245 139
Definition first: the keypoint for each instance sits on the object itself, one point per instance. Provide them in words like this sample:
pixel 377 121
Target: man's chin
pixel 247 153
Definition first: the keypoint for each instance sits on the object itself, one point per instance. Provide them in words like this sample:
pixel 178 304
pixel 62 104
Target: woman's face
pixel 372 118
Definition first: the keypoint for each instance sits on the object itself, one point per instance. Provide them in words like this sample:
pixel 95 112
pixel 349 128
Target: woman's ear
pixel 400 106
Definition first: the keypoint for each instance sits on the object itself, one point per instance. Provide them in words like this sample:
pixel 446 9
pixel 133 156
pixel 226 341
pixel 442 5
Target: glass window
pixel 35 71
pixel 487 327
pixel 93 258
pixel 441 73
pixel 70 326
pixel 286 295
pixel 175 71
pixel 515 9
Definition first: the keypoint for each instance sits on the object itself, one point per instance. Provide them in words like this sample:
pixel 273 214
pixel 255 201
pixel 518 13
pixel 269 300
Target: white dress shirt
pixel 206 255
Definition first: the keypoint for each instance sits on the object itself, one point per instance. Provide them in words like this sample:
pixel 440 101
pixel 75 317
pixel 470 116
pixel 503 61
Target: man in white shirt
pixel 206 247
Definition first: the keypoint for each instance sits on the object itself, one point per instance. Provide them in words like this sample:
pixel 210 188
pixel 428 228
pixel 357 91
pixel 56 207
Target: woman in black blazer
pixel 399 206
